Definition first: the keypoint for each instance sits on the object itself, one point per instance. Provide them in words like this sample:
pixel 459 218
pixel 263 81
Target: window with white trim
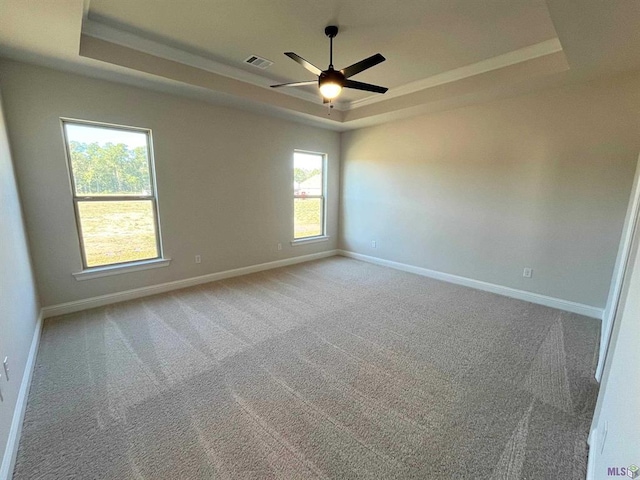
pixel 309 195
pixel 114 194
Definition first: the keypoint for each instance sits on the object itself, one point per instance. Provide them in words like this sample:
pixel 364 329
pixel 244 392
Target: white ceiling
pixel 440 53
pixel 419 38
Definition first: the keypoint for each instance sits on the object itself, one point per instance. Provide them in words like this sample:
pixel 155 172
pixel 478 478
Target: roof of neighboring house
pixel 311 182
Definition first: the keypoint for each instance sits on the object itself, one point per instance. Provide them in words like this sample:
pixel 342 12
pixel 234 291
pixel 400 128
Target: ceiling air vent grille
pixel 259 62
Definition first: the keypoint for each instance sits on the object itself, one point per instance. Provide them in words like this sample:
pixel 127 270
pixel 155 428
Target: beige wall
pixel 540 180
pixel 224 176
pixel 18 298
pixel 537 181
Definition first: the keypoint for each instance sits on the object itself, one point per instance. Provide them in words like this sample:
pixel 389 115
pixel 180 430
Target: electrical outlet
pixel 374 244
pixel 198 259
pixel 5 363
pixel 527 272
pixel 279 246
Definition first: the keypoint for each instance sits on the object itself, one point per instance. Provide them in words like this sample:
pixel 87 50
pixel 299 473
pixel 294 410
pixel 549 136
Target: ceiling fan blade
pixel 295 84
pixel 309 66
pixel 362 65
pixel 364 86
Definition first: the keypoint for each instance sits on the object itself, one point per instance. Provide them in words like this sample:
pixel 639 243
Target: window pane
pixel 108 161
pixel 307 174
pixel 115 232
pixel 307 217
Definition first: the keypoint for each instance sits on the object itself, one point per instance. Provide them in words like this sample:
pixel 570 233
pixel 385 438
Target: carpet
pixel 328 369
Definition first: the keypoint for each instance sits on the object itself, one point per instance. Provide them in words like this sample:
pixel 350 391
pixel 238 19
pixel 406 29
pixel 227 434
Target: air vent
pixel 259 62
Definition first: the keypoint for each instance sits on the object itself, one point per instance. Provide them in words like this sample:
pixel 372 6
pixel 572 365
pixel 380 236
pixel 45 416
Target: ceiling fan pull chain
pixel 330 107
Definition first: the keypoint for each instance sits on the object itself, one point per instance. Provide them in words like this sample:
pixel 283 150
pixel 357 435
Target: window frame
pixel 323 198
pixel 116 267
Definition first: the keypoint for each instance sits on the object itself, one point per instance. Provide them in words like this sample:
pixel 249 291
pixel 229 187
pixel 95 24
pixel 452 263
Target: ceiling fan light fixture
pixel 330 89
pixel 332 81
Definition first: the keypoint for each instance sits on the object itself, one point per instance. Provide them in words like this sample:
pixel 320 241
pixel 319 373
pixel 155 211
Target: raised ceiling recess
pixel 439 54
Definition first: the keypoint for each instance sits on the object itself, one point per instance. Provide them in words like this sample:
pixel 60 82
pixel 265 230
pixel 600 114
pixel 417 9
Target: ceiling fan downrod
pixel 331 31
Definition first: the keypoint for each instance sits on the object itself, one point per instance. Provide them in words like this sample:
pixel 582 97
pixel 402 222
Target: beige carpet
pixel 329 369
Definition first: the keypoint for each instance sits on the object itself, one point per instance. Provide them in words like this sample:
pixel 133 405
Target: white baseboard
pixel 11 450
pixel 586 310
pixel 70 307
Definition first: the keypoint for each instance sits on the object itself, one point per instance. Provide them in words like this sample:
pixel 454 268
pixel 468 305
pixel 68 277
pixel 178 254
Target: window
pixel 113 193
pixel 308 195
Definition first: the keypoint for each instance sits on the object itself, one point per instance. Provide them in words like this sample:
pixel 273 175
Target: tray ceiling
pixel 440 53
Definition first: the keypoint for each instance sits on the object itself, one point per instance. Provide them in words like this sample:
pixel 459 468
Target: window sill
pixel 304 241
pixel 107 271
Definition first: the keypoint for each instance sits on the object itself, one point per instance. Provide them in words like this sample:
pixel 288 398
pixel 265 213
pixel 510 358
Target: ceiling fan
pixel 331 81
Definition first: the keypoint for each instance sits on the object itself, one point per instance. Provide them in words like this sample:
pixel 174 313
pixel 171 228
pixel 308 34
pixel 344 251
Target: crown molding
pixel 514 57
pixel 123 38
pixel 118 36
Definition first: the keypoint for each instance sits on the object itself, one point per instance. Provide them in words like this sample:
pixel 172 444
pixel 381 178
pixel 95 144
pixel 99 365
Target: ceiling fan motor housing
pixel 331 76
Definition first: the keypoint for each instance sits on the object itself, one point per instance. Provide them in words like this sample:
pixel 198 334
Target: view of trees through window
pixel 109 169
pixel 301 174
pixel 113 193
pixel 308 190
